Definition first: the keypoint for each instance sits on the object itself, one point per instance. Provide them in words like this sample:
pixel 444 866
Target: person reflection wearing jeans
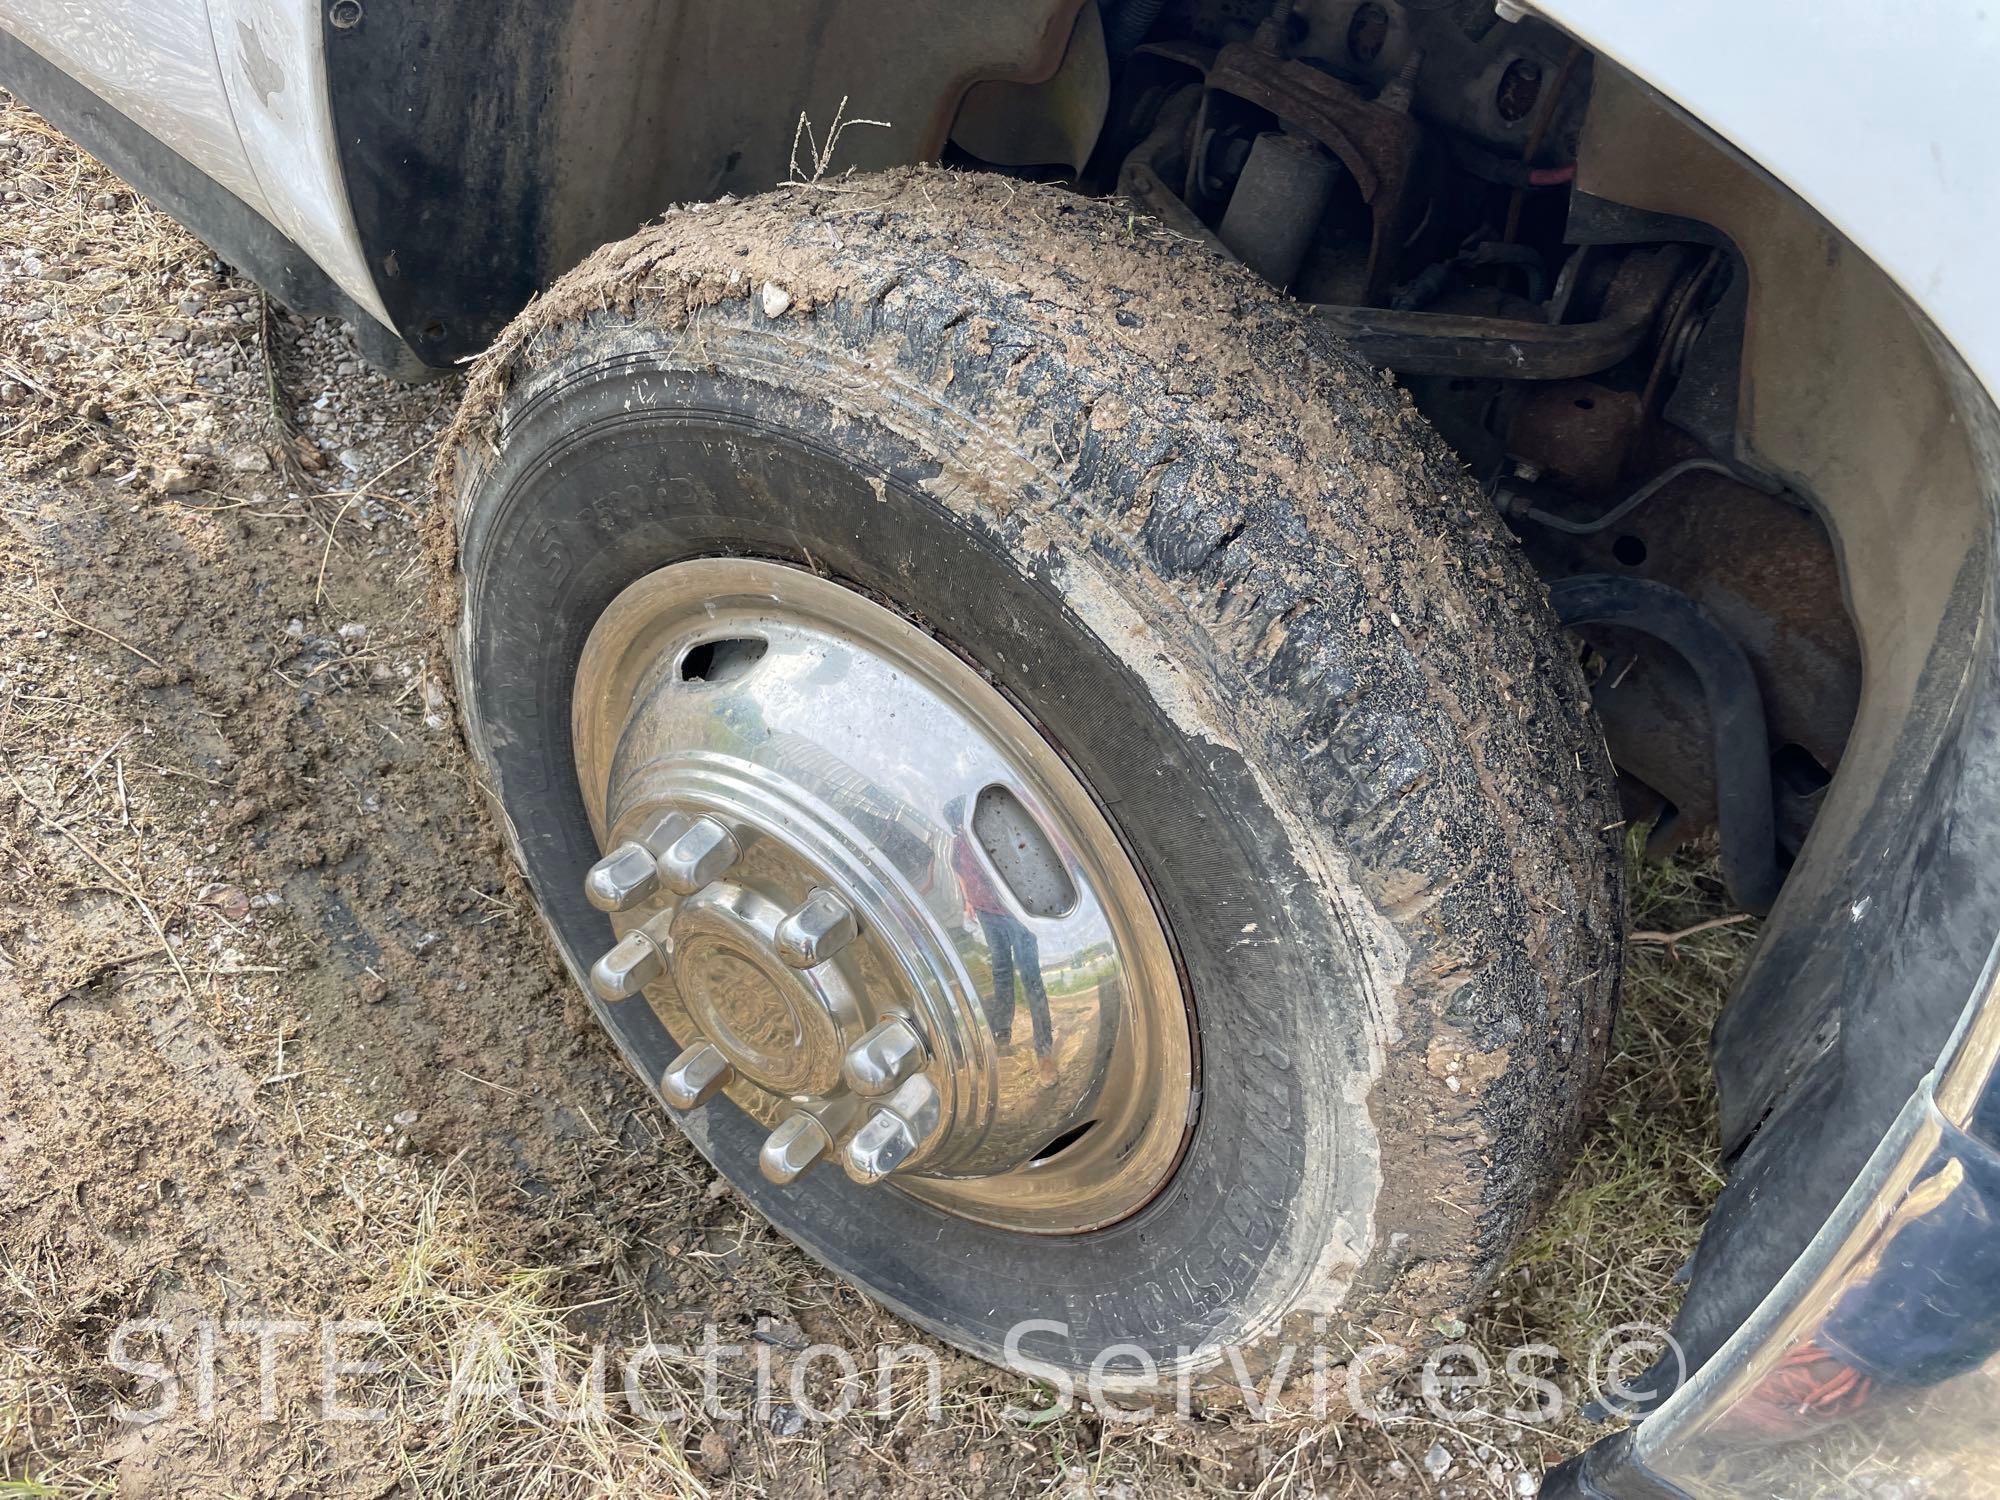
pixel 1011 948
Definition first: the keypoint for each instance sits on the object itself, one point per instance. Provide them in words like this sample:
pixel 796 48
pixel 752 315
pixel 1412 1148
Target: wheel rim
pixel 827 841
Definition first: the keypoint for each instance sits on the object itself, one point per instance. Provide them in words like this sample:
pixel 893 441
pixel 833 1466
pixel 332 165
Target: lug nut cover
pixel 623 878
pixel 631 965
pixel 797 1143
pixel 696 1076
pixel 703 853
pixel 820 928
pixel 897 1130
pixel 887 1053
pixel 879 1147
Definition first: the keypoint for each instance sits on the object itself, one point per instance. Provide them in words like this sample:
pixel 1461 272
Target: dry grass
pixel 1632 1209
pixel 1606 1255
pixel 466 1329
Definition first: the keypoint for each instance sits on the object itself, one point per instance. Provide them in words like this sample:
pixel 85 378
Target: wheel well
pixel 1669 373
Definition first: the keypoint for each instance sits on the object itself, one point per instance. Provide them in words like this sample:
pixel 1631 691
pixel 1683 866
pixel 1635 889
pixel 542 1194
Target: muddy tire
pixel 1246 592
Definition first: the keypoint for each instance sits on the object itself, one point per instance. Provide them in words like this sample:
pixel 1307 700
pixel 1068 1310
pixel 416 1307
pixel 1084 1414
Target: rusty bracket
pixel 1380 145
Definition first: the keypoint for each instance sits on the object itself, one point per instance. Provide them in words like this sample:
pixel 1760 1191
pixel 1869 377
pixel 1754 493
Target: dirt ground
pixel 279 1040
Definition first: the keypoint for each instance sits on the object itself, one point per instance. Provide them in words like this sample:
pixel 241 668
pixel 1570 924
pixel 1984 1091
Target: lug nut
pixel 663 830
pixel 879 1147
pixel 820 928
pixel 623 878
pixel 703 852
pixel 887 1053
pixel 894 1132
pixel 628 968
pixel 696 1076
pixel 799 1141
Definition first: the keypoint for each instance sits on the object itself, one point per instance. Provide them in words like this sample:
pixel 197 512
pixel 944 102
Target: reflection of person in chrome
pixel 1010 947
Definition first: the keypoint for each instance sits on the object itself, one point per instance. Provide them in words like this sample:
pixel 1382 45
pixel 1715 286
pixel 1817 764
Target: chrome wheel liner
pixel 862 773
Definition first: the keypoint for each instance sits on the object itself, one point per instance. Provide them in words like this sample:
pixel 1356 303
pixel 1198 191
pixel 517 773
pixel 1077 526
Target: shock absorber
pixel 1284 189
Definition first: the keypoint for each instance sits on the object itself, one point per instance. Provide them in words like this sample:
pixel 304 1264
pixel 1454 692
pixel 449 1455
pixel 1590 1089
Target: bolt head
pixel 696 1076
pixel 887 1054
pixel 880 1146
pixel 902 1125
pixel 791 1150
pixel 632 964
pixel 820 928
pixel 623 878
pixel 702 853
pixel 917 1102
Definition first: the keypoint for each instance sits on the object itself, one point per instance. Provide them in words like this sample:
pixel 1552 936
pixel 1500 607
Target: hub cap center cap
pixel 784 1029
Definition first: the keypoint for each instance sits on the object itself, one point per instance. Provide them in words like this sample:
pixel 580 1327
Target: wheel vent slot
pixel 721 660
pixel 1021 854
pixel 1062 1142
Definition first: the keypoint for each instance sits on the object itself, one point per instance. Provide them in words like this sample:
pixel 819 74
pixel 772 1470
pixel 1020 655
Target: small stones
pixel 775 299
pixel 787 1420
pixel 230 902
